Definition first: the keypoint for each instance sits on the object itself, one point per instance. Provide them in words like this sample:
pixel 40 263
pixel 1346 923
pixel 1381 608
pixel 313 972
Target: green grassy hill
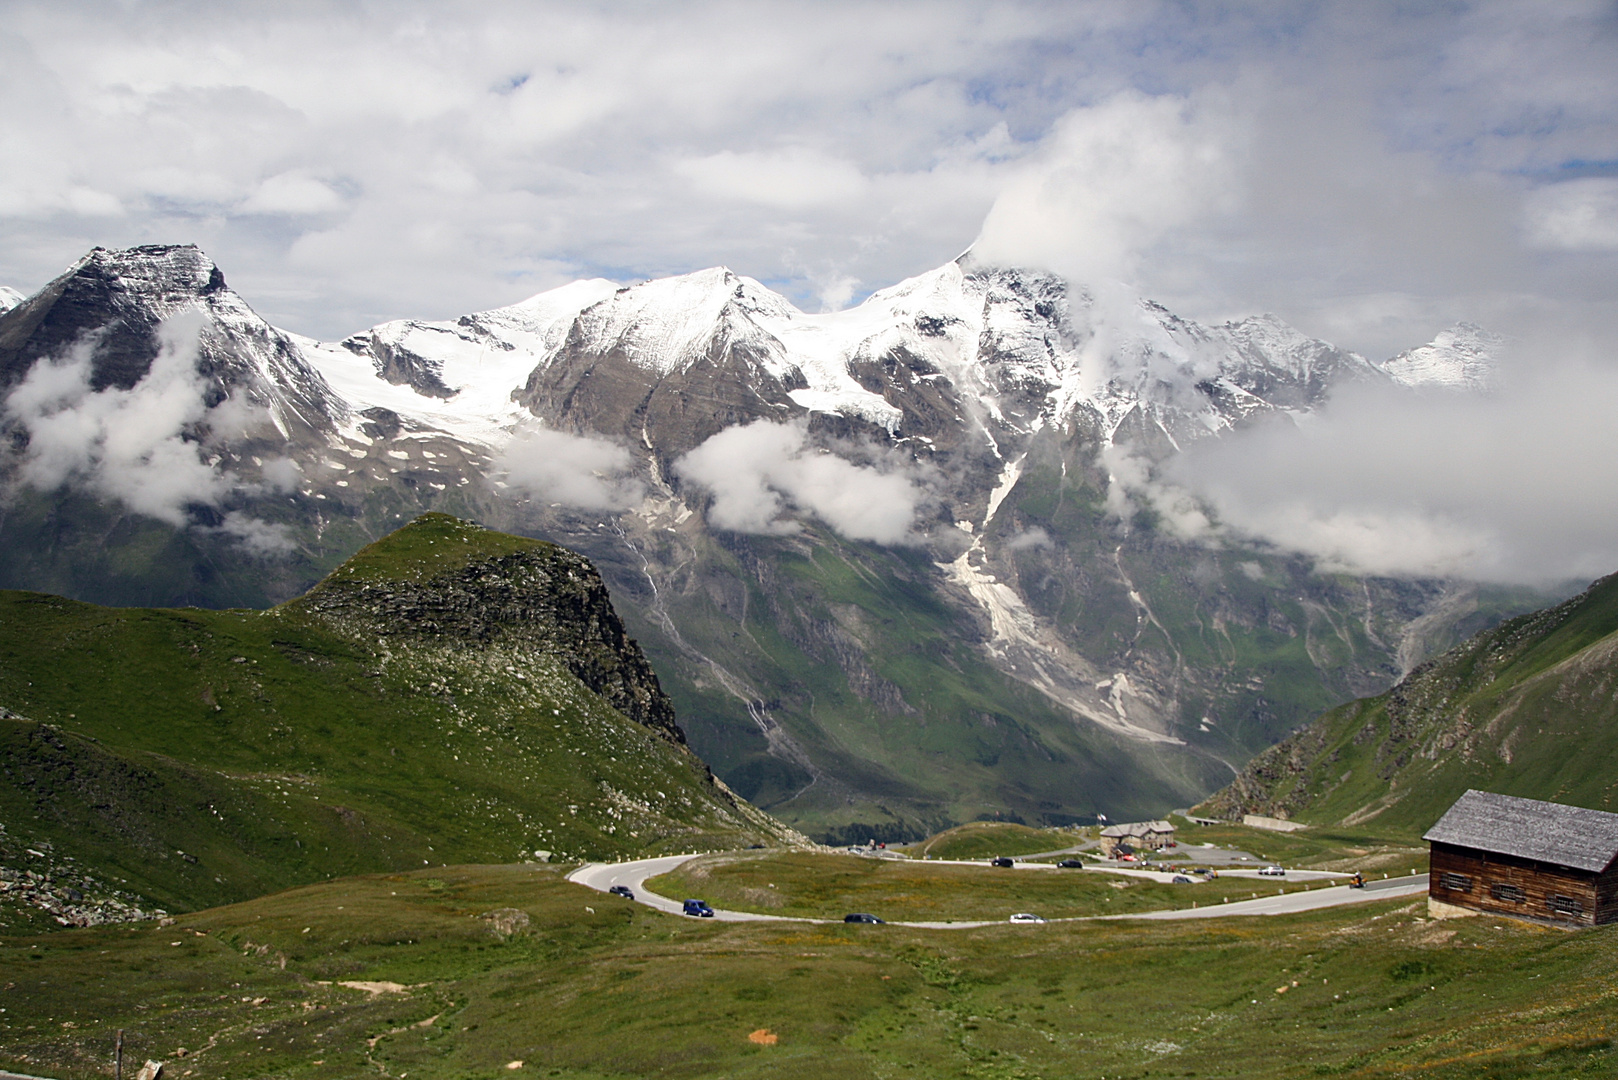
pixel 449 695
pixel 1527 708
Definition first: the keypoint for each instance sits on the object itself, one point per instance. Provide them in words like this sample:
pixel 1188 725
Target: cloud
pixel 761 472
pixel 127 444
pixel 282 474
pixel 789 178
pixel 1578 215
pixel 580 471
pixel 292 193
pixel 1520 486
pixel 1368 172
pixel 260 538
pixel 142 446
pixel 1035 537
pixel 1109 181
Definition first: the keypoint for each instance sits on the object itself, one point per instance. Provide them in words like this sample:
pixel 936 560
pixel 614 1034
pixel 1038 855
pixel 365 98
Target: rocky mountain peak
pixel 114 302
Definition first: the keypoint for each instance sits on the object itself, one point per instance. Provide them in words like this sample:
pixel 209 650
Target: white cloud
pixel 282 474
pixel 127 444
pixel 142 446
pixel 580 471
pixel 257 537
pixel 350 163
pixel 759 473
pixel 1521 486
pixel 1578 215
pixel 1109 181
pixel 791 178
pixel 1035 537
pixel 292 193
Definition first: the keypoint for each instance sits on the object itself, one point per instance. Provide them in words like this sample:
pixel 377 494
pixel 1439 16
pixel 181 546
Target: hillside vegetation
pixel 1528 708
pixel 449 695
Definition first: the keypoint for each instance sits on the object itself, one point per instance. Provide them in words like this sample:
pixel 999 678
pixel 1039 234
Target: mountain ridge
pixel 1007 408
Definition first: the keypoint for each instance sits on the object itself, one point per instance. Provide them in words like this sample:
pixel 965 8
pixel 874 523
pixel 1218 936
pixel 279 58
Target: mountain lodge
pixel 1137 836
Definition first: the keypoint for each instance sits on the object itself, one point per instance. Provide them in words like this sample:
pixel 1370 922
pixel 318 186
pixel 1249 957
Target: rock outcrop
pixel 542 598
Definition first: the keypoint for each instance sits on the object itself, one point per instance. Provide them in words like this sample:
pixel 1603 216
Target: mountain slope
pixel 450 694
pixel 1528 708
pixel 1017 635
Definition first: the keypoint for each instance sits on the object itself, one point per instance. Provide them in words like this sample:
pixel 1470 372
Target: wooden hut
pixel 1523 858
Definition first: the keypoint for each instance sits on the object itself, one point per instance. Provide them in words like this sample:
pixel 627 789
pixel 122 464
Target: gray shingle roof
pixel 1530 829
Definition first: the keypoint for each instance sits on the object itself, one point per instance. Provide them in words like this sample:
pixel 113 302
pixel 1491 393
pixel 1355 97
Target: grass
pixel 1314 848
pixel 597 988
pixel 200 757
pixel 987 839
pixel 820 886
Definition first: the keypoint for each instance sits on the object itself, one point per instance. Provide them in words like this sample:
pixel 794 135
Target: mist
pixel 143 446
pixel 762 474
pixel 580 471
pixel 1516 486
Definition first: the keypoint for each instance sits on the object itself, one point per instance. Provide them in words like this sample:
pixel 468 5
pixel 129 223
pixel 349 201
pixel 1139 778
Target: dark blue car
pixel 698 908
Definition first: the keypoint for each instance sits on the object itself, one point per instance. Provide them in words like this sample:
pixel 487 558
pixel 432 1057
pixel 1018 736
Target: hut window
pixel 1564 905
pixel 1456 882
pixel 1513 893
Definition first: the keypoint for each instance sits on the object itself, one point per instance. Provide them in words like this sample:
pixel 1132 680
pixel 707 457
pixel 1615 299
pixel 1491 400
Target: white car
pixel 1272 871
pixel 1024 916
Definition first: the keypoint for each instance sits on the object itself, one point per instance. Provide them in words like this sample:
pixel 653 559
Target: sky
pixel 1371 172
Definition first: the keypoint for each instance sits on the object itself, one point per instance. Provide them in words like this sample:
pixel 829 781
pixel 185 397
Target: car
pixel 1272 871
pixel 1001 861
pixel 1071 864
pixel 623 891
pixel 1180 879
pixel 698 909
pixel 1025 916
pixel 862 917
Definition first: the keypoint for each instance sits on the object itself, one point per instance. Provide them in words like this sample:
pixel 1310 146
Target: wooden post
pixel 118 1056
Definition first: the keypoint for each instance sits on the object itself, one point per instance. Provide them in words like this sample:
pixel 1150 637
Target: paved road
pixel 603 876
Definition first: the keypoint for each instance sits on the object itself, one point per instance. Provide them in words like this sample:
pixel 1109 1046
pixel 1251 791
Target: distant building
pixel 1523 858
pixel 1138 836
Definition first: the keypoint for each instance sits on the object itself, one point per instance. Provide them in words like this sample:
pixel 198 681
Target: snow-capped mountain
pixel 9 298
pixel 1013 351
pixel 1022 647
pixel 1463 358
pixel 112 303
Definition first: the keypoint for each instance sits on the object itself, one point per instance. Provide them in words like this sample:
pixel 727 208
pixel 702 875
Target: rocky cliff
pixel 540 602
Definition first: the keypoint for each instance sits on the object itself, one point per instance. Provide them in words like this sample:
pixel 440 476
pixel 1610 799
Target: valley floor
pixel 485 971
pixel 1305 891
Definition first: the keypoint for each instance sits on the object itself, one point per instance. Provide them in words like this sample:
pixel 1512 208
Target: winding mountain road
pixel 634 874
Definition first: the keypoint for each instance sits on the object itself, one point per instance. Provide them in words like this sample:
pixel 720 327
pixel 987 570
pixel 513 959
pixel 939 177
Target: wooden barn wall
pixel 1597 894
